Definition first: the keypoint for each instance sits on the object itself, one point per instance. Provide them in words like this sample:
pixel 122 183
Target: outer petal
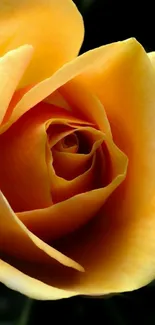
pixel 28 98
pixel 29 249
pixel 12 68
pixel 29 286
pixel 151 56
pixel 53 27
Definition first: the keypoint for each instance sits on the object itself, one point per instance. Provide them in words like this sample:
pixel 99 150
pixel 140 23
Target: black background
pixel 105 21
pixel 109 20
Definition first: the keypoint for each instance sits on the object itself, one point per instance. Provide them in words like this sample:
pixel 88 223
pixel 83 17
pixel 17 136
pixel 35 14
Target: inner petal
pixel 64 217
pixel 72 155
pixel 72 173
pixel 70 143
pixel 63 189
pixel 24 177
pixel 69 165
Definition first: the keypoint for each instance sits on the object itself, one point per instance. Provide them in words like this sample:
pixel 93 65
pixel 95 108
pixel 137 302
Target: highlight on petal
pixel 12 67
pixel 151 56
pixel 35 289
pixel 39 23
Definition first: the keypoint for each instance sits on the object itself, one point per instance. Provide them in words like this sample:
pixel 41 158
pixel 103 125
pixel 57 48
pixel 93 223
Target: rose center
pixel 75 142
pixel 70 143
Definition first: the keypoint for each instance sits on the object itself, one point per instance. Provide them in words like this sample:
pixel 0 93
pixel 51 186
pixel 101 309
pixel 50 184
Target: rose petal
pixel 12 67
pixel 65 217
pixel 57 99
pixel 56 132
pixel 23 153
pixel 17 96
pixel 16 240
pixel 84 102
pixel 24 177
pixel 29 286
pixel 151 56
pixel 126 87
pixel 69 143
pixel 63 189
pixel 70 165
pixel 119 253
pixel 39 23
pixel 68 72
pixel 117 248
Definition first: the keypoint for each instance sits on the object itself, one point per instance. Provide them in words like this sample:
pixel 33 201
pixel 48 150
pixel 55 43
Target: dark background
pixel 105 21
pixel 113 20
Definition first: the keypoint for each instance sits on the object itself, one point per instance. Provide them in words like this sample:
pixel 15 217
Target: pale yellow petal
pixel 151 56
pixel 68 72
pixel 53 27
pixel 12 67
pixel 35 289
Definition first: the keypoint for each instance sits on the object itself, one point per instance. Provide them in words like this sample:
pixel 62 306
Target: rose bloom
pixel 77 156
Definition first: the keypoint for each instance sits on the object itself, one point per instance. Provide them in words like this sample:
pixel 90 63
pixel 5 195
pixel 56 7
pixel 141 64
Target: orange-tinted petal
pixel 65 217
pixel 63 189
pixel 39 23
pixel 24 177
pixel 58 100
pixel 24 145
pixel 69 165
pixel 56 132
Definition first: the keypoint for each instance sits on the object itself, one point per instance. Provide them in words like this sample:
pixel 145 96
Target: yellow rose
pixel 77 156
